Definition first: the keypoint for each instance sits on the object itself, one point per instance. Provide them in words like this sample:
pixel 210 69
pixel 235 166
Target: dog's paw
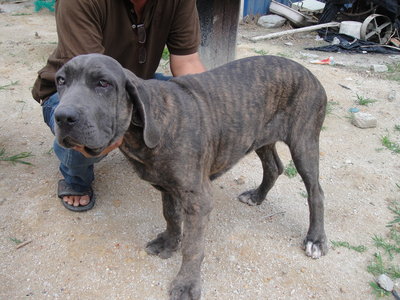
pixel 185 289
pixel 164 245
pixel 315 249
pixel 250 197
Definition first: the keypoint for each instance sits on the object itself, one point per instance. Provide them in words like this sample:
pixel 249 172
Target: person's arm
pixel 184 40
pixel 186 64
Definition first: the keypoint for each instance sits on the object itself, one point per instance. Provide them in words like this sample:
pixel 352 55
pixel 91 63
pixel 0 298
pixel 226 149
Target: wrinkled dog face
pixel 94 109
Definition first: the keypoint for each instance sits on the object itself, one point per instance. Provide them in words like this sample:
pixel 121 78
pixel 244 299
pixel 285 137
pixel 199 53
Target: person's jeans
pixel 74 166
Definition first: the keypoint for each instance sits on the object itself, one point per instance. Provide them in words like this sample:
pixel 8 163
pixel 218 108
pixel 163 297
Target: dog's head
pixel 97 99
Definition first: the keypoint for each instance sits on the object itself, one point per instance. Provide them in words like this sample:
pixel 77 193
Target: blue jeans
pixel 78 170
pixel 74 166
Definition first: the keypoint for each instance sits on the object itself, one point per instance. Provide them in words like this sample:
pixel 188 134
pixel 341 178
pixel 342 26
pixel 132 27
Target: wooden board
pixel 219 24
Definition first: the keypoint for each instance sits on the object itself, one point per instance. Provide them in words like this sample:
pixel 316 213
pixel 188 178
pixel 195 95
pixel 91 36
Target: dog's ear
pixel 142 115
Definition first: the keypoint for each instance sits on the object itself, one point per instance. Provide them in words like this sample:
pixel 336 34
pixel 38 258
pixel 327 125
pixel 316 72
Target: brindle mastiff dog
pixel 183 133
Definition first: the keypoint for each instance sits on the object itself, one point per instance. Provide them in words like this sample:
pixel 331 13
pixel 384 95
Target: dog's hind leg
pixel 305 155
pixel 168 241
pixel 272 168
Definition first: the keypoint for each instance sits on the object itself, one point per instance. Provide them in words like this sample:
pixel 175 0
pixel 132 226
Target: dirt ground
pixel 251 252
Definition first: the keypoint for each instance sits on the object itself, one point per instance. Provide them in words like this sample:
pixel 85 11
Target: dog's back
pixel 252 102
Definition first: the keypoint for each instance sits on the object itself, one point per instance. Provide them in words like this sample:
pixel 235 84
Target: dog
pixel 183 133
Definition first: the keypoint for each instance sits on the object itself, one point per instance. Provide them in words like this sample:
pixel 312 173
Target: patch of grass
pixel 330 106
pixel 260 52
pixel 395 209
pixel 364 101
pixel 397 127
pixel 17 158
pixel 304 194
pixel 165 54
pixel 21 14
pixel 283 55
pixel 389 144
pixel 394 72
pixel 290 170
pixel 50 152
pixel 379 266
pixel 7 86
pixel 360 248
pixel 389 248
pixel 378 291
pixel 15 240
pixel 385 263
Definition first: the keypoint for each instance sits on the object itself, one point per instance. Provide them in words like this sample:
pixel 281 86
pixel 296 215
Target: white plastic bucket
pixel 350 28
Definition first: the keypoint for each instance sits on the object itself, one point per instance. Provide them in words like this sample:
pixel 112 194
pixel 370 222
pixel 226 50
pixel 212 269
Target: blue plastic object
pixel 49 4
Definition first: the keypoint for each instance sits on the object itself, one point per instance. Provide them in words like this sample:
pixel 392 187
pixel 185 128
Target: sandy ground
pixel 251 252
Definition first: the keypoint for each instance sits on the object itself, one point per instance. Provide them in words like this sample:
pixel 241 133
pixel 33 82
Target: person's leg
pixel 74 166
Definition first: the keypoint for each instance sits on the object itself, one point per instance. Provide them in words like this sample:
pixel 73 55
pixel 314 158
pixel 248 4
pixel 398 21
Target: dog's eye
pixel 60 80
pixel 104 83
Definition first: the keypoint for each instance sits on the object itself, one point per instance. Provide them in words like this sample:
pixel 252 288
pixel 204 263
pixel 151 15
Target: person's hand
pixel 81 149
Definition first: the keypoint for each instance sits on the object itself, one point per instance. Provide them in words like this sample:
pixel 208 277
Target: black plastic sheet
pixel 348 44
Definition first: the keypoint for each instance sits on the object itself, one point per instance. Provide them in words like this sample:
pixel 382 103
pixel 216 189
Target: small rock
pixel 289 44
pixel 364 120
pixel 392 95
pixel 271 21
pixel 379 68
pixel 385 282
pixel 240 180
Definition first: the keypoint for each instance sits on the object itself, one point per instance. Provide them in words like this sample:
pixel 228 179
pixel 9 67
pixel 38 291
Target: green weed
pixel 15 240
pixel 50 152
pixel 394 72
pixel 392 146
pixel 290 170
pixel 21 14
pixel 165 54
pixel 378 291
pixel 360 248
pixel 260 52
pixel 330 106
pixel 378 267
pixel 304 194
pixel 389 248
pixel 7 86
pixel 364 101
pixel 17 158
pixel 283 55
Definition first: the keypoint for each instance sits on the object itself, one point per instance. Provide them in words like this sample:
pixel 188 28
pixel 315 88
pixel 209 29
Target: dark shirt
pixel 105 26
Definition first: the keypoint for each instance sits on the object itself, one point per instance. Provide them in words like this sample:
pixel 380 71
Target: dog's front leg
pixel 168 241
pixel 197 208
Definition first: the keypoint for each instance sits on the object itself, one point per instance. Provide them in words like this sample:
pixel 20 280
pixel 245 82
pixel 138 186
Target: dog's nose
pixel 66 116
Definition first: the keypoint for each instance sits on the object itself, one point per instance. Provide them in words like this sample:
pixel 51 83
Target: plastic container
pixel 350 28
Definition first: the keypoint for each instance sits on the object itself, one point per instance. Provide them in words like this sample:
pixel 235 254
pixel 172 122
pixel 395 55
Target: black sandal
pixel 64 189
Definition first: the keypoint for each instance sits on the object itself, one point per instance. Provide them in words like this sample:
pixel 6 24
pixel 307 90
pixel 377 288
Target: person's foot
pixel 74 200
pixel 77 200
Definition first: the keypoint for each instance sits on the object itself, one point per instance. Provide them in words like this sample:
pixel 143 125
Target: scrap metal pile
pixel 348 25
